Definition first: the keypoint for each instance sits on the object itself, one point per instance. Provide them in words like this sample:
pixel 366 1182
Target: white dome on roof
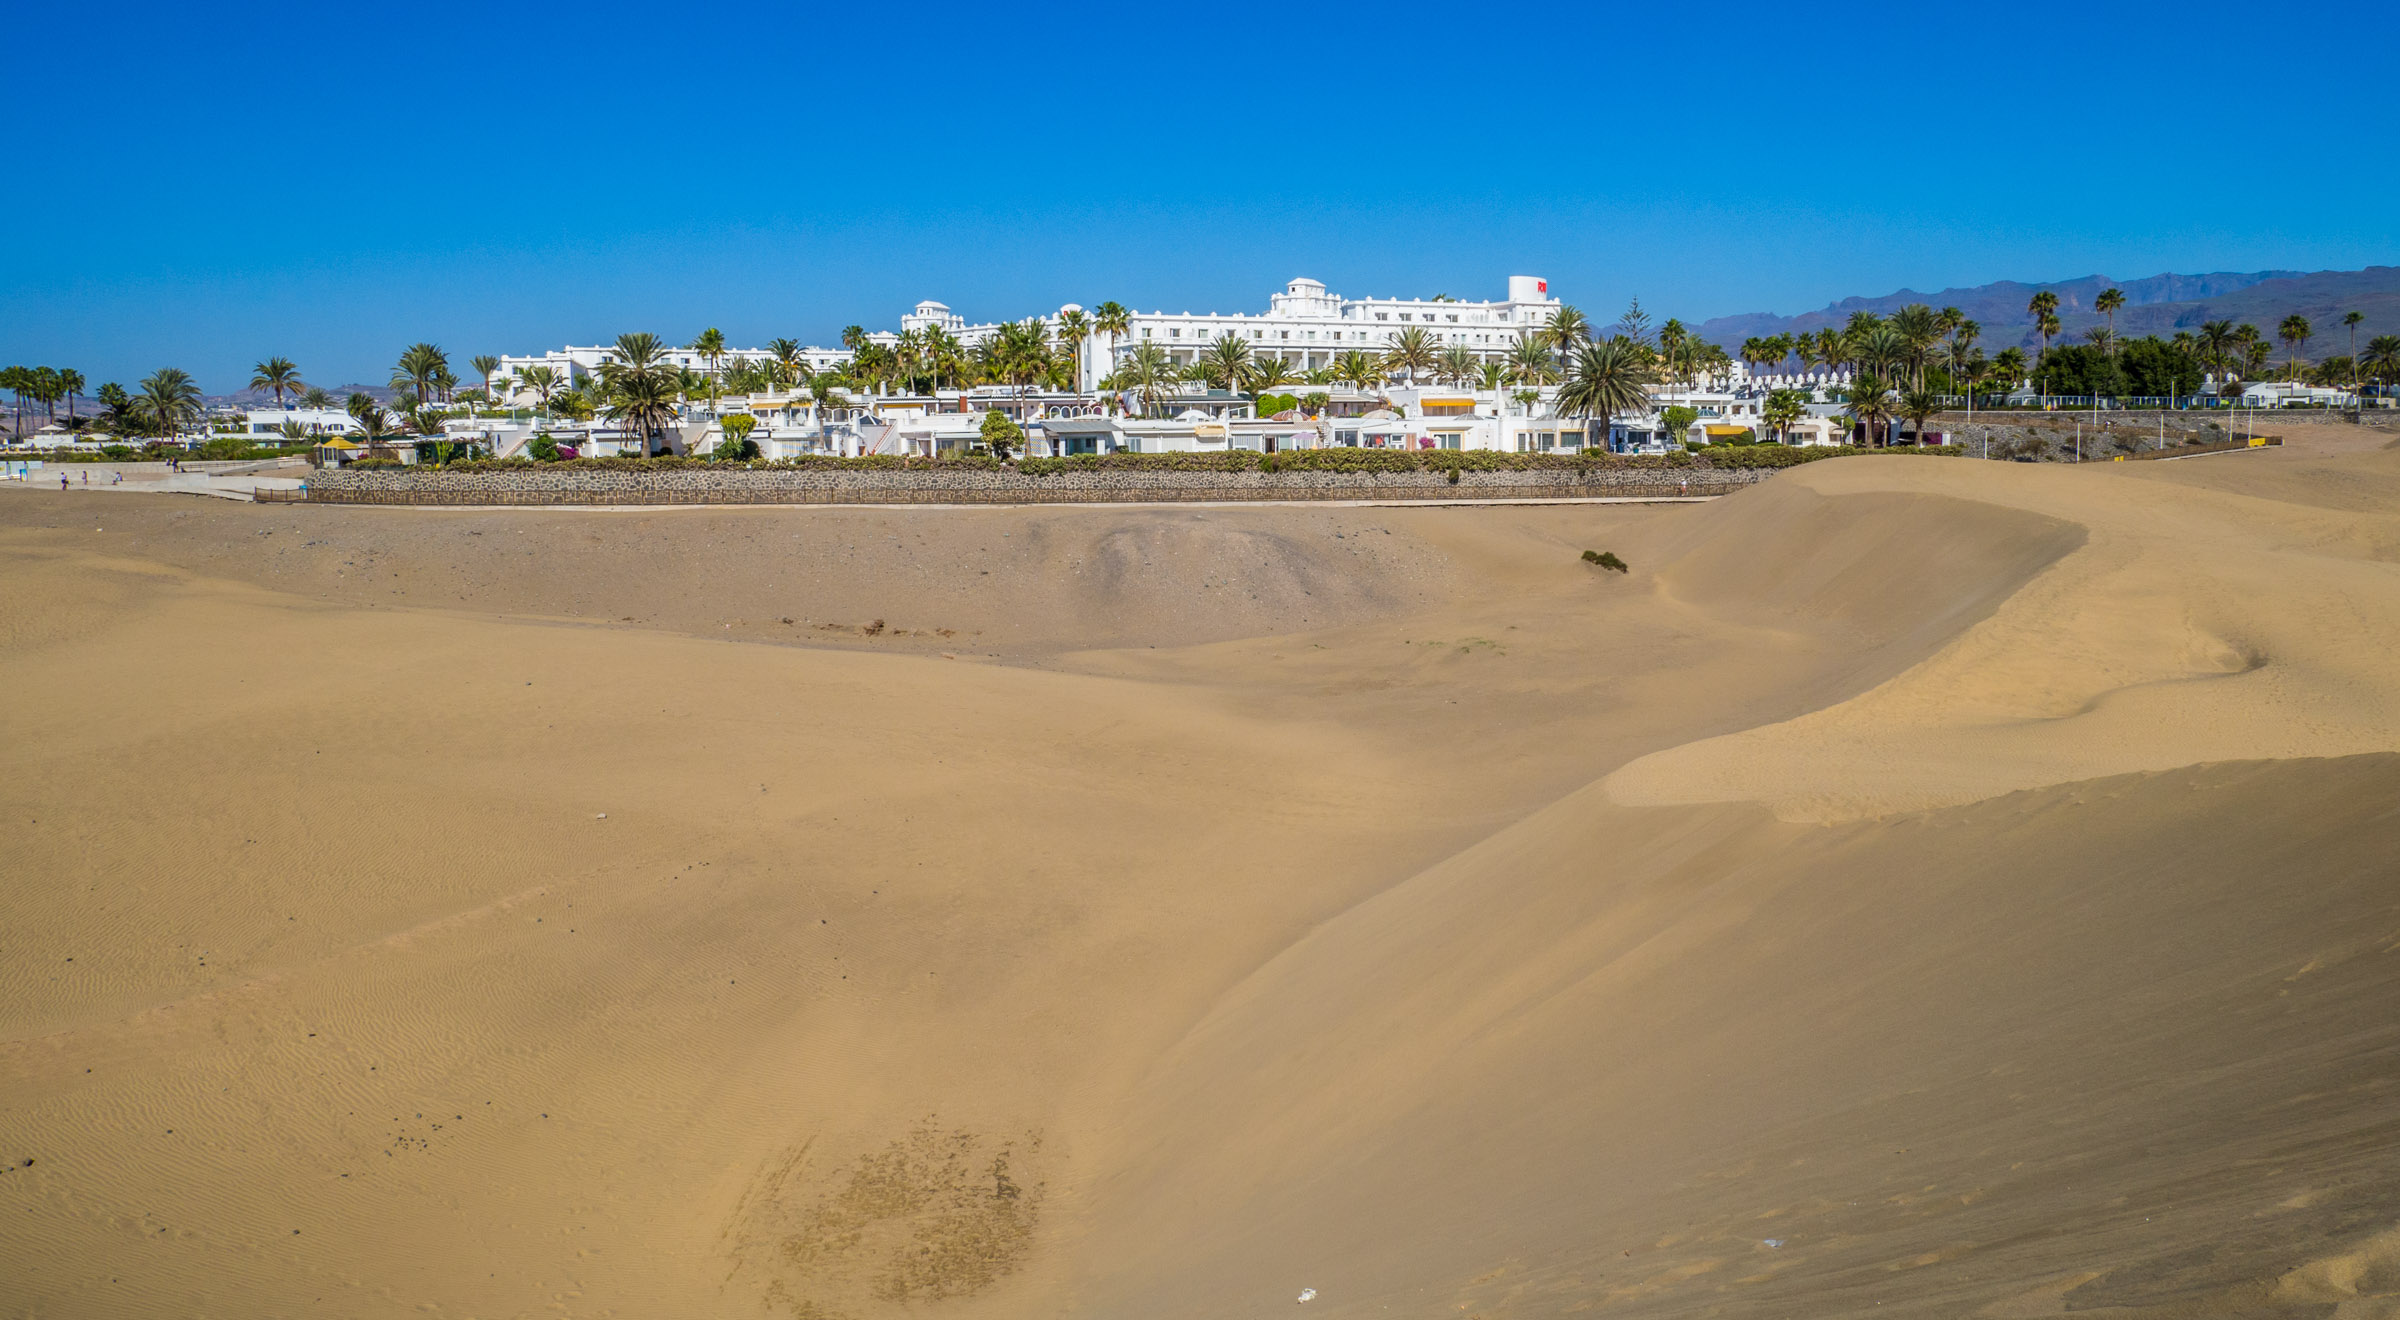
pixel 1070 307
pixel 1304 285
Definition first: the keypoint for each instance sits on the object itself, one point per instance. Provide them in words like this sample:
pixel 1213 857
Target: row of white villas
pixel 1305 326
pixel 950 422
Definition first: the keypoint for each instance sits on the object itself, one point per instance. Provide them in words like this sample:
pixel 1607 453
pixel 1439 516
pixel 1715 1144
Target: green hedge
pixel 1722 457
pixel 1735 457
pixel 1352 460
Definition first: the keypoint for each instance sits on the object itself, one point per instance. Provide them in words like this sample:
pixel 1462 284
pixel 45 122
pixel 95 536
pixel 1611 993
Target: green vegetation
pixel 1001 434
pixel 1606 559
pixel 737 444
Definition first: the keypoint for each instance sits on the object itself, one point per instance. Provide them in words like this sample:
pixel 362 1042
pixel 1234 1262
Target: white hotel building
pixel 1304 325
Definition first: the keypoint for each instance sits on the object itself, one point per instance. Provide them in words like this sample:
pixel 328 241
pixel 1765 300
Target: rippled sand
pixel 1919 886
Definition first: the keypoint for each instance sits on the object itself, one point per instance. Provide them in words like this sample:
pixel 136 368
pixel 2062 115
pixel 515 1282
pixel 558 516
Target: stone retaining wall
pixel 730 485
pixel 2053 435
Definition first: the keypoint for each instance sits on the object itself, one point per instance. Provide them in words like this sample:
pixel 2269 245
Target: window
pixel 1287 334
pixel 1176 333
pixel 1382 317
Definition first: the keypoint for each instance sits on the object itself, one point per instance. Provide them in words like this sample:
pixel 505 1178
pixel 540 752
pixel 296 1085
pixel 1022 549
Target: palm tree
pixel 1491 374
pixel 1882 350
pixel 1566 328
pixel 641 401
pixel 1530 361
pixel 1358 369
pixel 1833 348
pixel 1411 351
pixel 1459 365
pixel 373 422
pixel 71 381
pixel 1226 361
pixel 1268 373
pixel 2350 322
pixel 1150 371
pixel 2043 307
pixel 2106 304
pixel 277 374
pixel 710 345
pixel 2009 365
pixel 313 397
pixel 2382 361
pixel 1074 327
pixel 1918 405
pixel 485 364
pixel 2294 332
pixel 170 399
pixel 1782 408
pixel 1963 333
pixel 1020 353
pixel 19 382
pixel 420 368
pixel 2216 341
pixel 543 381
pixel 638 385
pixel 1111 319
pixel 47 391
pixel 1867 403
pixel 1603 379
pixel 2101 337
pixel 1916 328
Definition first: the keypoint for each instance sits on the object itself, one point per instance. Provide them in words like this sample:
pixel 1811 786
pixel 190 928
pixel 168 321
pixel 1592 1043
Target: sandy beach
pixel 1918 886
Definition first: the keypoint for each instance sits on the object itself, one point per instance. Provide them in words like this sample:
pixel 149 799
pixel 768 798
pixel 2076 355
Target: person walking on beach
pixel 62 481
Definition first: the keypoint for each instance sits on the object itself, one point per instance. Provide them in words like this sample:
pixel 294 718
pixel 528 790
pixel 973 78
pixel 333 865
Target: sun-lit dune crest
pixel 2190 626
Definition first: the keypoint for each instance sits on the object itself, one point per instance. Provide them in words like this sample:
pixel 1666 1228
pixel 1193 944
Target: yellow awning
pixel 1208 429
pixel 338 444
pixel 1726 430
pixel 1447 403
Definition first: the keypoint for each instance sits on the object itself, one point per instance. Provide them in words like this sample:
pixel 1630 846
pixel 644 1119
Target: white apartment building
pixel 1305 325
pixel 1308 326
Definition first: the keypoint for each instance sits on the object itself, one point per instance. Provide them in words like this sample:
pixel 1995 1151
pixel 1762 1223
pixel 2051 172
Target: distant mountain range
pixel 2159 305
pixel 266 398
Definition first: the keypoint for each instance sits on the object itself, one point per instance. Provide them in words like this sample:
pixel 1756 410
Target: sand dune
pixel 1918 886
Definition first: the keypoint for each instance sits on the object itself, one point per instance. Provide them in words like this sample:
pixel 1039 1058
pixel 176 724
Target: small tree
pixel 737 443
pixel 1001 434
pixel 1315 405
pixel 1677 420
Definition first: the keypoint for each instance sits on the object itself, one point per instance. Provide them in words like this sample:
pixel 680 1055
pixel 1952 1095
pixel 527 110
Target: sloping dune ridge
pixel 1918 887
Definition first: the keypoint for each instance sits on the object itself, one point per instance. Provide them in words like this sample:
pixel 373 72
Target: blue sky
pixel 204 185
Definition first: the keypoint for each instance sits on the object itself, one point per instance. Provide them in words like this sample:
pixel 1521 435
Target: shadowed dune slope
pixel 2131 1040
pixel 1918 886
